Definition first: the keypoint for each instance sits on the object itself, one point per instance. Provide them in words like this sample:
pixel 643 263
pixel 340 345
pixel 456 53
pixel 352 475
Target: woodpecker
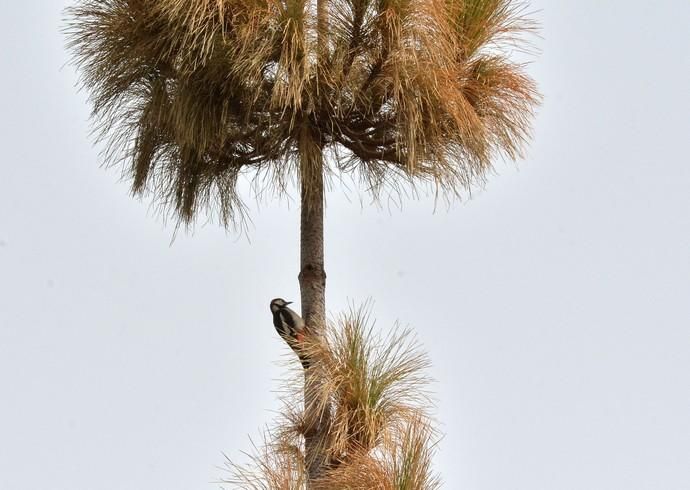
pixel 289 325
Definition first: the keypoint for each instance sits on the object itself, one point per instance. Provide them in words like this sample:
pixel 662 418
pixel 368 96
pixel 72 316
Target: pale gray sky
pixel 555 304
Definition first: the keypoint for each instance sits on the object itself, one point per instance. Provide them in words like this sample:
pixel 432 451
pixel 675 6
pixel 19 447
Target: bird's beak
pixel 288 302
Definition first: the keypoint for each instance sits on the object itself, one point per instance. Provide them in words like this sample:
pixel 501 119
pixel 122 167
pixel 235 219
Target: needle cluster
pixel 381 435
pixel 192 94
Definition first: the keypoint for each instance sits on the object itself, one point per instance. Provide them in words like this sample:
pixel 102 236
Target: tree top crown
pixel 191 94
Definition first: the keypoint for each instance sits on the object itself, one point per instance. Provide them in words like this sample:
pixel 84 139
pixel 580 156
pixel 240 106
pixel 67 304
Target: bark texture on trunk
pixel 322 27
pixel 312 276
pixel 312 280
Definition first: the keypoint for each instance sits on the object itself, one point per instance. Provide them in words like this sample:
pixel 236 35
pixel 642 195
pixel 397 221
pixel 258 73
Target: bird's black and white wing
pixel 287 322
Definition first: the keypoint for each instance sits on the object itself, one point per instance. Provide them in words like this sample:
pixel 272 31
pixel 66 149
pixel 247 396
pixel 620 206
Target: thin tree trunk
pixel 322 27
pixel 312 276
pixel 312 280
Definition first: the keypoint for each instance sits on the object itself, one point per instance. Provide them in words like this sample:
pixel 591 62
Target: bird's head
pixel 278 303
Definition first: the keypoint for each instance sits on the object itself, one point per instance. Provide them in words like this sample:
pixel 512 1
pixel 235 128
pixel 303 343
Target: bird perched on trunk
pixel 289 326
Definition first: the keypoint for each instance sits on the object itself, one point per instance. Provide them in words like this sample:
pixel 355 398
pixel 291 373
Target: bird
pixel 289 325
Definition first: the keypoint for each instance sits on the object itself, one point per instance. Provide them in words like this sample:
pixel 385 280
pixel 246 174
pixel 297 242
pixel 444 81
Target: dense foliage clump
pixel 193 93
pixel 374 391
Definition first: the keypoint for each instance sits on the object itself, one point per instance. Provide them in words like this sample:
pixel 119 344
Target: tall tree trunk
pixel 322 27
pixel 312 276
pixel 312 280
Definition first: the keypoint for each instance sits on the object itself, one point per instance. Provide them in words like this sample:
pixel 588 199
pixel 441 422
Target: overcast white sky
pixel 555 304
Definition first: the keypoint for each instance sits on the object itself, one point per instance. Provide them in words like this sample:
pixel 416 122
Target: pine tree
pixel 193 94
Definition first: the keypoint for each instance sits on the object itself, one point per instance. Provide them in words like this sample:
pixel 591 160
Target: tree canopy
pixel 192 94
